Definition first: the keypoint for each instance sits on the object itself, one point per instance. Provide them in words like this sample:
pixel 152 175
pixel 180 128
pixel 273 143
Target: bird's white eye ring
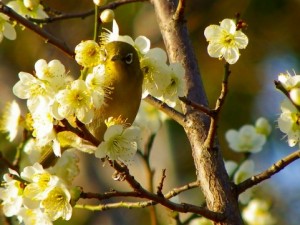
pixel 129 58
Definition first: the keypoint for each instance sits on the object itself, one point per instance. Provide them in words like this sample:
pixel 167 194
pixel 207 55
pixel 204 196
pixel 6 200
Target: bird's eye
pixel 129 58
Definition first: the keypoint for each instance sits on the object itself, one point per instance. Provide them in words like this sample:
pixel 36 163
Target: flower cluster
pixel 288 121
pixel 28 8
pixel 57 102
pixel 35 196
pixel 161 80
pixel 249 138
pixel 225 41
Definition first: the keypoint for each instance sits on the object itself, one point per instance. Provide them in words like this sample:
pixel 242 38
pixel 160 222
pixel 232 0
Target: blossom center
pixel 228 39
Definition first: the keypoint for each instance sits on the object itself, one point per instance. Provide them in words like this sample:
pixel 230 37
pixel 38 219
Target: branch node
pixel 161 184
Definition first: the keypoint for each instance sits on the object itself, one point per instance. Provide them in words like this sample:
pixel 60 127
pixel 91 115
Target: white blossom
pixel 225 41
pixel 288 122
pixel 119 143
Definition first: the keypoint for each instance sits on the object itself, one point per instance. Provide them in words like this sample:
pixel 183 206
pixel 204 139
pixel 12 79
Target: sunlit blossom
pixel 52 73
pixel 57 203
pixel 6 29
pixel 225 41
pixel 288 122
pixel 246 139
pixel 33 217
pixel 119 143
pixel 176 86
pixel 76 100
pixel 95 83
pixel 157 75
pixel 11 195
pixel 33 10
pixel 9 122
pixel 88 53
pixel 289 81
pixel 32 89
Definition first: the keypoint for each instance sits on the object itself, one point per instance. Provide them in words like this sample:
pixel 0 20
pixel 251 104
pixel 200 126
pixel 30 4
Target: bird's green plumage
pixel 123 80
pixel 123 84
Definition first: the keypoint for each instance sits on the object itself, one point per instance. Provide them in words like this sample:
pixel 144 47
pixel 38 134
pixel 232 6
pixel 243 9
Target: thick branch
pixel 208 160
pixel 275 168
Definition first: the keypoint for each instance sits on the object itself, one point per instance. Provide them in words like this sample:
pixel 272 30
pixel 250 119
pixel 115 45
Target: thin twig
pixel 179 13
pixel 175 115
pixel 275 168
pixel 83 15
pixel 197 106
pixel 49 38
pixel 161 183
pixel 156 199
pixel 149 175
pixel 112 194
pixel 219 103
pixel 280 87
pixel 87 134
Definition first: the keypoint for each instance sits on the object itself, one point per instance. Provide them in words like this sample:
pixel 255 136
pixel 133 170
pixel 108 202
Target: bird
pixel 123 92
pixel 123 80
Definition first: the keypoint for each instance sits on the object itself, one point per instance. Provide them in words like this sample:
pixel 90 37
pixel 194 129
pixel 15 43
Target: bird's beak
pixel 116 57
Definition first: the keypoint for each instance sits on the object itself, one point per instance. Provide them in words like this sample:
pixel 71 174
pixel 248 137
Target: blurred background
pixel 274 47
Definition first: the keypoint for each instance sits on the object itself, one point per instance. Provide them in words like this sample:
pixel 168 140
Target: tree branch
pixel 49 38
pixel 219 103
pixel 179 14
pixel 275 168
pixel 155 199
pixel 175 115
pixel 281 88
pixel 208 161
pixel 198 107
pixel 83 15
pixel 112 194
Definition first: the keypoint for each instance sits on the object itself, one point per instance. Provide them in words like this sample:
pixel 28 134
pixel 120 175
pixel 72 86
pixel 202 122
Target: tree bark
pixel 215 184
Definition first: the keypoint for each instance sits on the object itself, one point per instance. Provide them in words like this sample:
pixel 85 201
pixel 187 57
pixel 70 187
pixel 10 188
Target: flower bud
pixel 107 16
pixel 262 126
pixel 99 2
pixel 295 95
pixel 31 4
